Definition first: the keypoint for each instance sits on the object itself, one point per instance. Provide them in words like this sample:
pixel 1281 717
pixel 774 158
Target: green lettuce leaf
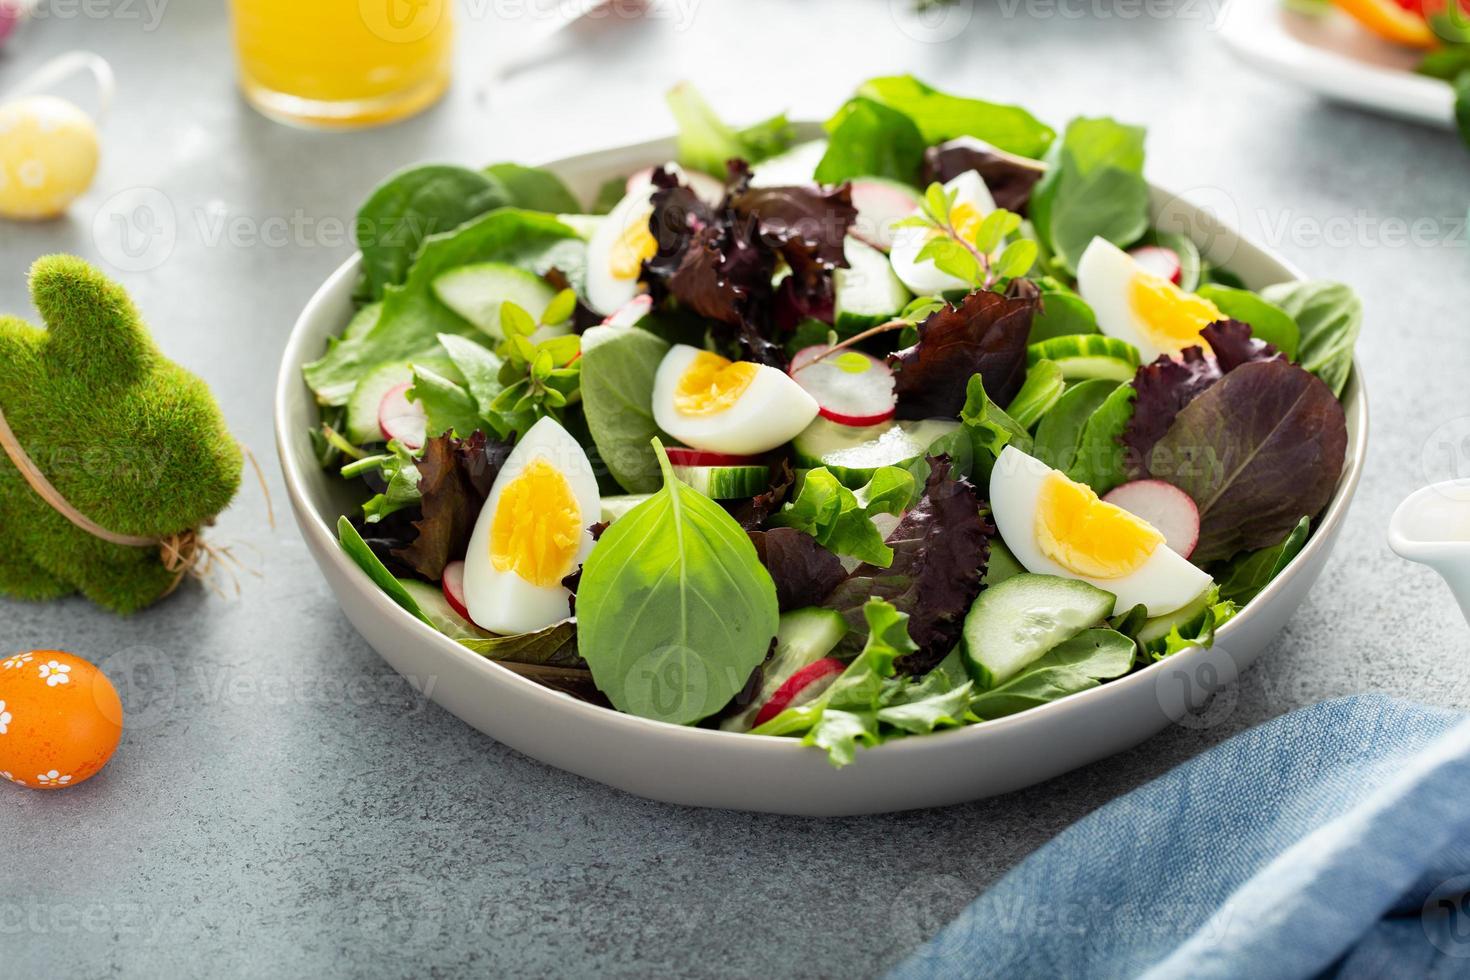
pixel 1077 664
pixel 534 189
pixel 942 117
pixel 1093 187
pixel 706 142
pixel 1100 460
pixel 618 368
pixel 1268 321
pixel 868 139
pixel 1329 316
pixel 1243 578
pixel 841 519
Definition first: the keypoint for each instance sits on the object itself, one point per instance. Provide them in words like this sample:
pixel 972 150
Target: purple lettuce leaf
pixel 1258 450
pixel 804 572
pixel 1009 179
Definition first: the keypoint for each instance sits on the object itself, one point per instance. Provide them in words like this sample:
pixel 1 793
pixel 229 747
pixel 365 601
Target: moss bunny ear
pixel 95 331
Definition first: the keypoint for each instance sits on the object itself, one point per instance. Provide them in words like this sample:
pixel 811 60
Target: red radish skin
pixel 878 206
pixel 1165 506
pixel 864 397
pixel 828 668
pixel 1161 261
pixel 454 589
pixel 402 419
pixel 683 456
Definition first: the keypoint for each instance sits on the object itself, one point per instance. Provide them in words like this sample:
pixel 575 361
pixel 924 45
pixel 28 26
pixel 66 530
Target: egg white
pixel 606 293
pixel 769 413
pixel 1164 582
pixel 1105 276
pixel 503 602
pixel 923 278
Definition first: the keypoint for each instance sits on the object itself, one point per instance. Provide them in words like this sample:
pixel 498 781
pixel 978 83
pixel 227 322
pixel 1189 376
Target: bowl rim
pixel 295 353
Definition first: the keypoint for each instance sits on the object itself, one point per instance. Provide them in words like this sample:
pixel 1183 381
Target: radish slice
pixel 630 312
pixel 851 388
pixel 708 189
pixel 454 589
pixel 1162 262
pixel 402 419
pixel 683 456
pixel 806 683
pixel 879 204
pixel 1163 505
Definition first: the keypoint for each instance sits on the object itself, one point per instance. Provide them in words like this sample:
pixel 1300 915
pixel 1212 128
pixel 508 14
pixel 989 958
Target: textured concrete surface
pixel 282 805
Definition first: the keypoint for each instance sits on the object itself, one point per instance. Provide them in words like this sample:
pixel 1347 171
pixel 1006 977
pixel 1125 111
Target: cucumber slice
pixel 439 612
pixel 362 406
pixel 867 292
pixel 1088 355
pixel 1159 626
pixel 617 506
pixel 1014 624
pixel 852 453
pixel 475 292
pixel 726 482
pixel 803 637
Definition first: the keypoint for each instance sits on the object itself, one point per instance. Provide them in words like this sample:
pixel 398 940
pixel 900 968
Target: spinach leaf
pixel 674 608
pixel 1093 187
pixel 412 205
pixel 1043 388
pixel 1100 461
pixel 413 318
pixel 534 189
pixel 1060 430
pixel 920 707
pixel 1074 665
pixel 1268 321
pixel 942 117
pixel 841 520
pixel 1062 314
pixel 618 368
pixel 1329 316
pixel 1243 578
pixel 868 139
pixel 706 142
pixel 358 551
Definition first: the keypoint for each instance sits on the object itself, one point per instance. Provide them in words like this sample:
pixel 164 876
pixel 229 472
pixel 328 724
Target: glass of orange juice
pixel 343 63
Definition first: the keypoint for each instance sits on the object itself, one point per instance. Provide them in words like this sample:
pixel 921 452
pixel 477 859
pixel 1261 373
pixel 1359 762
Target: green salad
pixel 911 427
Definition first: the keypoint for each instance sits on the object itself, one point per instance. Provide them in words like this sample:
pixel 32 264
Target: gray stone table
pixel 282 805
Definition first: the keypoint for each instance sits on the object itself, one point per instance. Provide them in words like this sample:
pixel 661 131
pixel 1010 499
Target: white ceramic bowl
pixel 701 767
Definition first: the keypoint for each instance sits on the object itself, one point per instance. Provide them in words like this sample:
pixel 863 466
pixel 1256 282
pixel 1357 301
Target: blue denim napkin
pixel 1332 841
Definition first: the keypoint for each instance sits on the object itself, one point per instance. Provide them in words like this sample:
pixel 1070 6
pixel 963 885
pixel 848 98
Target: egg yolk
pixel 711 384
pixel 635 245
pixel 966 219
pixel 1088 536
pixel 1171 317
pixel 537 526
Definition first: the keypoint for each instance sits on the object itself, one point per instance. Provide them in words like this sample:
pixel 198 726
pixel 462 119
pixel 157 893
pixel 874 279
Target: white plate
pixel 702 767
pixel 1335 56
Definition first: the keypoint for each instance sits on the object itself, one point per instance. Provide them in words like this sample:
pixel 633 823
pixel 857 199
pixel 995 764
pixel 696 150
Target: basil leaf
pixel 1329 316
pixel 534 189
pixel 868 139
pixel 618 368
pixel 408 207
pixel 1268 321
pixel 1093 187
pixel 941 116
pixel 674 608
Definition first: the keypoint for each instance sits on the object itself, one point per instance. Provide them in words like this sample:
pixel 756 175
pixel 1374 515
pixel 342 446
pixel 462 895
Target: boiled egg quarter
pixel 736 407
pixel 1137 306
pixel 532 533
pixel 60 719
pixel 972 203
pixel 1055 526
pixel 617 250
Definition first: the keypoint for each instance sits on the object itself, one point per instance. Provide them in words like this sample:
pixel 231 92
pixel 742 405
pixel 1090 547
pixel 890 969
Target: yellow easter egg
pixel 48 156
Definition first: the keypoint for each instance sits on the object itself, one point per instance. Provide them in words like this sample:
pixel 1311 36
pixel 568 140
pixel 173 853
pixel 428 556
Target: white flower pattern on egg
pixel 19 660
pixel 52 778
pixel 18 782
pixel 55 673
pixel 4 719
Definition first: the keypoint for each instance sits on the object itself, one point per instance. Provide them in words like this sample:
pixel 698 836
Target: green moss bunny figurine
pixel 116 444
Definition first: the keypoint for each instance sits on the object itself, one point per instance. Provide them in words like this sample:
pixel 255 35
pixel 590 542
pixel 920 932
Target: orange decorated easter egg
pixel 60 719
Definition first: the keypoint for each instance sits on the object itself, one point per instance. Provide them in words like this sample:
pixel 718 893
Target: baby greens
pixel 674 607
pixel 618 365
pixel 1093 186
pixel 841 520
